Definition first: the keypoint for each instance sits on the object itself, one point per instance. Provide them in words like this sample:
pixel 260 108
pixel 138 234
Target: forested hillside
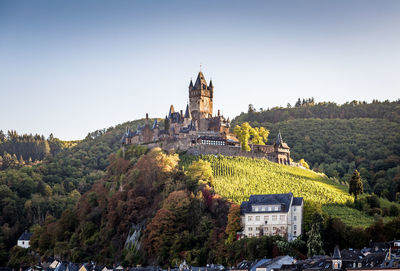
pixel 336 139
pixel 29 194
pixel 19 150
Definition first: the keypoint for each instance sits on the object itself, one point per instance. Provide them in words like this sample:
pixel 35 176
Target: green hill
pixel 336 139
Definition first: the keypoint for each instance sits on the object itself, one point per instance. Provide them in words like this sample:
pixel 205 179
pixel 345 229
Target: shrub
pixel 394 210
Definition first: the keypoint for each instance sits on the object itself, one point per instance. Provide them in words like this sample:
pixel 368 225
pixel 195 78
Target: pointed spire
pixel 191 84
pixel 187 112
pixel 336 253
pixel 171 110
pixel 279 140
pixel 155 124
pixel 211 84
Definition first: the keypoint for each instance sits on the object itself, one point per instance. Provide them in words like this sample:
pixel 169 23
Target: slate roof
pixel 297 201
pixel 269 199
pixel 187 112
pixel 26 236
pixel 336 253
pixel 244 265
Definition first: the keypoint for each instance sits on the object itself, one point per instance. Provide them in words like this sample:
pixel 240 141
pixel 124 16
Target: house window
pixel 257 228
pixel 23 242
pixel 274 228
pixel 250 234
pixel 263 208
pixel 249 218
pixel 281 217
pixel 295 227
pixel 265 228
pixel 276 208
pixel 250 228
pixel 295 218
pixel 294 208
pixel 256 209
pixel 274 217
pixel 282 227
pixel 269 208
pixel 258 218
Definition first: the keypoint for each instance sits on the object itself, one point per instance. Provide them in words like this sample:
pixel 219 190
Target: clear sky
pixel 71 67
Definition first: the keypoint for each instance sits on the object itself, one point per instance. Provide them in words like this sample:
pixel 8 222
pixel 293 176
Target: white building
pixel 273 214
pixel 23 240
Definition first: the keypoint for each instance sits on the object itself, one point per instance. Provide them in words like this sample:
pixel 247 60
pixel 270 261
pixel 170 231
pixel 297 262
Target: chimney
pixel 219 113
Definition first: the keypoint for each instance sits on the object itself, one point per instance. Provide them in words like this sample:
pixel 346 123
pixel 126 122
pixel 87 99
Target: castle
pixel 198 131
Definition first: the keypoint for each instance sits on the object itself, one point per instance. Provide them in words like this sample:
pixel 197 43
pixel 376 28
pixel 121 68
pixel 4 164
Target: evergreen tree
pixel 356 185
pixel 314 243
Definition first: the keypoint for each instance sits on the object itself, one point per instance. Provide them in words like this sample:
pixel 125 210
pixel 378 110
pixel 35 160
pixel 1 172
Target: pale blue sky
pixel 71 67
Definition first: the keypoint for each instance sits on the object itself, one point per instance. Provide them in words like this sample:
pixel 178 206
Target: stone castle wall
pixel 226 151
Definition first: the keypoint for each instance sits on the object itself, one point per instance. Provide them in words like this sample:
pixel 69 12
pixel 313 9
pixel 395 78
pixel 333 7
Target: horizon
pixel 70 68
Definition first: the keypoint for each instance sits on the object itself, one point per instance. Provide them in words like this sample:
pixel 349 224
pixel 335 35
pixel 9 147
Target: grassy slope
pixel 236 178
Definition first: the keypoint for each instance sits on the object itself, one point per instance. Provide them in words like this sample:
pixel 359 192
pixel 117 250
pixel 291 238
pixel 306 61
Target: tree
pixel 303 163
pixel 314 242
pixel 201 172
pixel 356 185
pixel 243 134
pixel 246 133
pixel 233 225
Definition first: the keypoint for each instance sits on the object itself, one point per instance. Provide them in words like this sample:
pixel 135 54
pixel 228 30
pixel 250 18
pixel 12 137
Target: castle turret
pixel 201 98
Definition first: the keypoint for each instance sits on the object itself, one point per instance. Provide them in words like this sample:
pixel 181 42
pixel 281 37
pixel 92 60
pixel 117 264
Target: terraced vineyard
pixel 236 178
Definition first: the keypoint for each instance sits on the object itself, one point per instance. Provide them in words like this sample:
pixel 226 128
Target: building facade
pixel 272 214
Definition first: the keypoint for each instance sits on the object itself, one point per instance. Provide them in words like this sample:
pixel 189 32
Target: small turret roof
pixel 191 84
pixel 26 236
pixel 187 113
pixel 336 253
pixel 279 140
pixel 211 84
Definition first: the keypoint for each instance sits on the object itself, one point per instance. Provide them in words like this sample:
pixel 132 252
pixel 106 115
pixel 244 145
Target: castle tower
pixel 201 98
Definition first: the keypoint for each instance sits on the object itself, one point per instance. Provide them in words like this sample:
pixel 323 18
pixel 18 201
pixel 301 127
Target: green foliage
pixel 314 242
pixel 349 216
pixel 355 185
pixel 236 178
pixel 245 133
pixel 201 171
pixel 337 139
